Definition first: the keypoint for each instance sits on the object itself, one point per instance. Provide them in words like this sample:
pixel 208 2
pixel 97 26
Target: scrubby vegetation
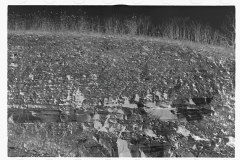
pixel 177 28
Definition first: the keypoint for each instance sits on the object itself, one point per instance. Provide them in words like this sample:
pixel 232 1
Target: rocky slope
pixel 186 94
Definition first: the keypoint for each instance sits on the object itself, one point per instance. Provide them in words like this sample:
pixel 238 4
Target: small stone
pixel 144 54
pixel 146 48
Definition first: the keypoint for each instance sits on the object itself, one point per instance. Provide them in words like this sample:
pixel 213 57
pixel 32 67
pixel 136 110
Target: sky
pixel 213 15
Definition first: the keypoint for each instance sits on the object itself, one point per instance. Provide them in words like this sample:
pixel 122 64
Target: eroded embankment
pixel 51 69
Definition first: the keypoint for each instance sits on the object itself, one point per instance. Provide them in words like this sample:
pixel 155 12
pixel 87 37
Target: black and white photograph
pixel 121 81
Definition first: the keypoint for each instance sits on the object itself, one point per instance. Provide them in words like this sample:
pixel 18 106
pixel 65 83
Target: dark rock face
pixel 200 101
pixel 191 114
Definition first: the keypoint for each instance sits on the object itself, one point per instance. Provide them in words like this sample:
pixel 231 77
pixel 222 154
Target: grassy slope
pixel 123 65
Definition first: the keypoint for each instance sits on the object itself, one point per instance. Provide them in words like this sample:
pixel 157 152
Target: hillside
pixel 109 73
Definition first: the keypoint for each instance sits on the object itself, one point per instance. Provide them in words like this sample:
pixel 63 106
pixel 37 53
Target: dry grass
pixel 175 28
